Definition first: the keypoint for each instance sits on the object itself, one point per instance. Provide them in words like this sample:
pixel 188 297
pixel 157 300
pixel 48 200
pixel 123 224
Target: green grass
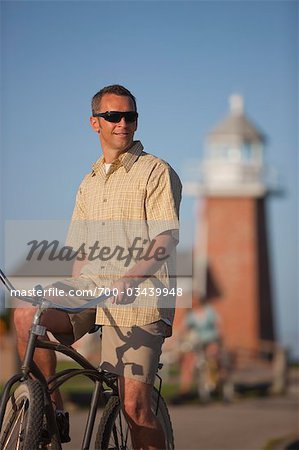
pixel 169 390
pixel 289 441
pixel 78 383
pixel 272 443
pixel 82 385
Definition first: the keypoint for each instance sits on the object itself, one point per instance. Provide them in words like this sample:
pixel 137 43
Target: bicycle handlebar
pixel 39 300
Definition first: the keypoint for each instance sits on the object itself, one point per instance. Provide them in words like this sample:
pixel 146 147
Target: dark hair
pixel 116 89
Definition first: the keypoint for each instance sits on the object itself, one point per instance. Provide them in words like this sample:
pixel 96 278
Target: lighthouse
pixel 231 266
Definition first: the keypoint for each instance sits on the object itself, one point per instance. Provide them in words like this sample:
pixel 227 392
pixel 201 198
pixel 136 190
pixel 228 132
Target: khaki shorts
pixel 132 352
pixel 81 322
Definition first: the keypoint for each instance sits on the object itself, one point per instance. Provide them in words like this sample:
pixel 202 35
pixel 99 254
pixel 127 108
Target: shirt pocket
pixel 129 204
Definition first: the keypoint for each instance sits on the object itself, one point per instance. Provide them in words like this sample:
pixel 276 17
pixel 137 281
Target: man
pixel 129 197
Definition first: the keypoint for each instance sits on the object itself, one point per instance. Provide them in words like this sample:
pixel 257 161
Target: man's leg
pixel 55 321
pixel 146 430
pixel 187 366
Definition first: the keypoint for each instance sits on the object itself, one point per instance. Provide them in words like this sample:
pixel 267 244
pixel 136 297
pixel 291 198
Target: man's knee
pixel 135 412
pixel 23 319
pixel 137 407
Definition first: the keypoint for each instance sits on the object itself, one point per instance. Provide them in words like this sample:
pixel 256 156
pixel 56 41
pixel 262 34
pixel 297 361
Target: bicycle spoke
pixel 21 427
pixel 114 431
pixel 18 422
pixel 121 427
pixel 13 428
pixel 23 417
pixel 123 440
pixel 120 440
pixel 115 437
pixel 120 434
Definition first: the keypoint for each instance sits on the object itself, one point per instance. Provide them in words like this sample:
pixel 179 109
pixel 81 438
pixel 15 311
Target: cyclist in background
pixel 199 334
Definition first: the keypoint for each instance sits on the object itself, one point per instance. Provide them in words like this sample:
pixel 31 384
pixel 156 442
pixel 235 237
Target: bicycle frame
pixel 91 372
pixel 30 369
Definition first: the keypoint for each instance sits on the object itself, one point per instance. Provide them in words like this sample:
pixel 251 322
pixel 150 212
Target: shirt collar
pixel 126 159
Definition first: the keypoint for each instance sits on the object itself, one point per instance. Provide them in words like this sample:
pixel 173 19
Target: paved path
pixel 246 425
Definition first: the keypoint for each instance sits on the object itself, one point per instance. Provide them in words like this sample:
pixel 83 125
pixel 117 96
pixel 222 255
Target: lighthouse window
pixel 216 152
pixel 246 152
pixel 234 154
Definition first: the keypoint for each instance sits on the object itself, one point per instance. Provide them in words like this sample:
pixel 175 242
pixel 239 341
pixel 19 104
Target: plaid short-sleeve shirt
pixel 138 198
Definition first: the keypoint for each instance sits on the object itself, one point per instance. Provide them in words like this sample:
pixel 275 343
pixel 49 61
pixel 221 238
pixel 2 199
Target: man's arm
pixel 163 246
pixel 162 210
pixel 78 265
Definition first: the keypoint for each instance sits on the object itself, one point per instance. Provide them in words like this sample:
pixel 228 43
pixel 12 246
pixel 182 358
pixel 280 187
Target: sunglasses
pixel 116 116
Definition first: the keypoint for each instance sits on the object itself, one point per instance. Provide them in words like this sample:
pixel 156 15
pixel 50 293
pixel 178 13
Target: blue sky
pixel 182 60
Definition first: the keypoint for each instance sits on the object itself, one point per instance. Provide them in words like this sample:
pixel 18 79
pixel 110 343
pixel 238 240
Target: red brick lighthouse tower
pixel 232 240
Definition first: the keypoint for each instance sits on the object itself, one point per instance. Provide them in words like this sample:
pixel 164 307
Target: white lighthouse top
pixel 233 162
pixel 236 126
pixel 236 104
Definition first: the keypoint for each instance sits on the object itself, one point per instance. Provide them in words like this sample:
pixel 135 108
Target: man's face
pixel 119 136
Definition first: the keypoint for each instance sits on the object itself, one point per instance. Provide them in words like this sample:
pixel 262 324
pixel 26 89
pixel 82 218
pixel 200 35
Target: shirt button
pixel 105 200
pixel 103 223
pixel 102 267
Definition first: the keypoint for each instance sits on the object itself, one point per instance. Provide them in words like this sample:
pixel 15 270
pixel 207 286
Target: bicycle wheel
pixel 23 418
pixel 114 433
pixel 203 385
pixel 227 390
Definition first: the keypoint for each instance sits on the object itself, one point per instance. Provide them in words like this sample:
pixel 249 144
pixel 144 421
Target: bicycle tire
pixel 204 388
pixel 113 430
pixel 23 418
pixel 54 442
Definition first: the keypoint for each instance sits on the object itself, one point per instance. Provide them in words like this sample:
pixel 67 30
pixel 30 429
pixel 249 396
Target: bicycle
pixel 211 371
pixel 26 408
pixel 214 374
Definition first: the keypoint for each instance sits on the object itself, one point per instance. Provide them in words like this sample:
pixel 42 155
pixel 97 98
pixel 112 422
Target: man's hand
pixel 126 291
pixel 143 269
